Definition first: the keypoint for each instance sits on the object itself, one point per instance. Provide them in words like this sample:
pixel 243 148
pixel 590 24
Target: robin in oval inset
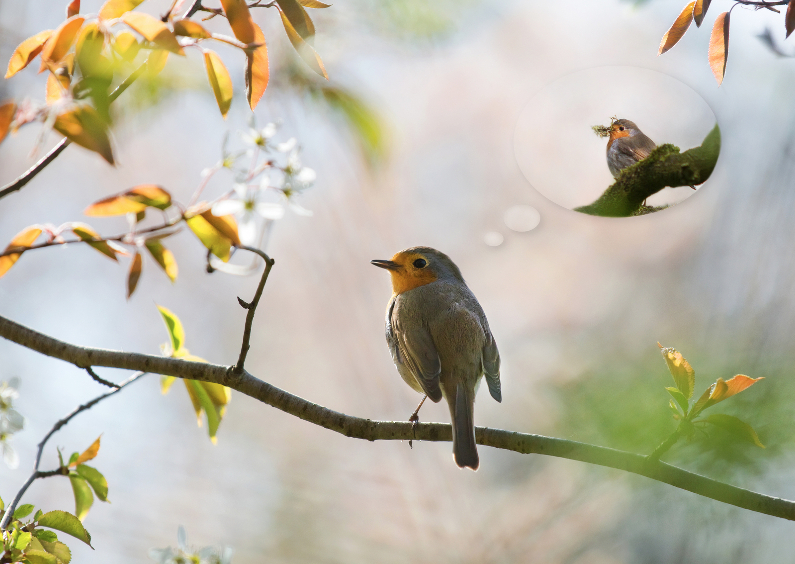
pixel 626 146
pixel 440 339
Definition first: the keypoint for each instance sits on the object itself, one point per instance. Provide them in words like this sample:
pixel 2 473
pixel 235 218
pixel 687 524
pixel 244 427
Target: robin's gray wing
pixel 639 147
pixel 413 350
pixel 491 366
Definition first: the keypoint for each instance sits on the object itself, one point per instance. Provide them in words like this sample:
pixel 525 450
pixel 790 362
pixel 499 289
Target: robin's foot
pixel 415 418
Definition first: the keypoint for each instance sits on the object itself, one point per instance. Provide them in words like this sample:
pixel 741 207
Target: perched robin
pixel 626 146
pixel 440 339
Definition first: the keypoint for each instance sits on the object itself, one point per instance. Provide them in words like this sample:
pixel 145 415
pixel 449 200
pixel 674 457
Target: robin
pixel 440 339
pixel 626 146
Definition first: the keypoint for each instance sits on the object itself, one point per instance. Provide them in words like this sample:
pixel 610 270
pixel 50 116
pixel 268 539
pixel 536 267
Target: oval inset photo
pixel 617 141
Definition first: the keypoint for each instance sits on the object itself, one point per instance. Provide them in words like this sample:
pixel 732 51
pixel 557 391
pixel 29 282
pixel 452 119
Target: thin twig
pixel 665 445
pixel 102 381
pixel 252 308
pixel 55 428
pixel 195 7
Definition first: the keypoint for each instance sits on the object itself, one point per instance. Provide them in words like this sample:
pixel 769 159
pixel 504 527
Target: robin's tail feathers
pixel 465 452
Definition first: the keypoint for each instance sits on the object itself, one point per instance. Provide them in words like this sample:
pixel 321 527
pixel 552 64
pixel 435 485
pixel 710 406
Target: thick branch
pixel 664 167
pixel 367 429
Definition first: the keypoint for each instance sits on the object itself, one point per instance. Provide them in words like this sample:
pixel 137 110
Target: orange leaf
pixel 219 80
pixel 85 127
pixel 313 4
pixel 301 21
pixel 126 45
pixel 22 240
pixel 739 383
pixel 216 233
pixel 723 389
pixel 789 20
pixel 132 201
pixel 115 8
pixel 73 8
pixel 88 454
pixel 680 369
pixel 7 112
pixel 153 30
pixel 189 28
pixel 134 274
pixel 55 89
pixel 92 238
pixel 26 52
pixel 700 10
pixel 257 72
pixel 307 53
pixel 225 224
pixel 62 40
pixel 719 46
pixel 678 29
pixel 239 19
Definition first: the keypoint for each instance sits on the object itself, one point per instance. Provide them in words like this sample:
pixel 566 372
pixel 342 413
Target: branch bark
pixel 360 428
pixel 664 167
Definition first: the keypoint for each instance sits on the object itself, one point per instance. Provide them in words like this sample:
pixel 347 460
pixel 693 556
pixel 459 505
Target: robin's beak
pixel 388 264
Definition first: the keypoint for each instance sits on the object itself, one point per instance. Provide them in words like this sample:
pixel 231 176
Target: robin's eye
pixel 621 128
pixel 419 263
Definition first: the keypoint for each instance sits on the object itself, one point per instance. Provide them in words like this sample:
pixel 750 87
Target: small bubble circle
pixel 522 218
pixel 493 238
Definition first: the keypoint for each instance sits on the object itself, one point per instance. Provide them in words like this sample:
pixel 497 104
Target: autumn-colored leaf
pixel 84 126
pixel 736 426
pixel 88 454
pixel 216 233
pixel 126 45
pixel 92 238
pixel 257 71
pixel 677 30
pixel 62 40
pixel 189 28
pixel 163 257
pixel 134 274
pixel 789 19
pixel 721 390
pixel 220 81
pixel 153 30
pixel 132 201
pixel 313 4
pixel 176 331
pixel 27 51
pixel 700 10
pixel 225 224
pixel 298 17
pixel 116 8
pixel 22 240
pixel 7 112
pixel 719 46
pixel 239 19
pixel 54 90
pixel 73 8
pixel 89 53
pixel 680 369
pixel 306 52
pixel 156 62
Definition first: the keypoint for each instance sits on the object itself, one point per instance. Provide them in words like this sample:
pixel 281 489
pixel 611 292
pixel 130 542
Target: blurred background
pixel 577 304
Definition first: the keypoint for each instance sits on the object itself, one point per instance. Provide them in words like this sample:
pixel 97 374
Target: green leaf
pixel 22 541
pixel 679 397
pixel 23 511
pixel 39 513
pixel 67 523
pixel 174 326
pixel 361 118
pixel 213 419
pixel 73 458
pixel 95 479
pixel 84 499
pixel 40 557
pixel 59 550
pixel 46 536
pixel 2 504
pixel 735 426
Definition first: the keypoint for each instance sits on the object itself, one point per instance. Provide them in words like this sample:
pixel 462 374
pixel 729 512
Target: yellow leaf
pixel 257 72
pixel 307 53
pixel 126 45
pixel 298 17
pixel 73 8
pixel 719 46
pixel 789 19
pixel 92 238
pixel 54 90
pixel 700 10
pixel 225 224
pixel 88 454
pixel 115 8
pixel 194 399
pixel 22 240
pixel 7 112
pixel 313 4
pixel 134 274
pixel 219 80
pixel 62 40
pixel 26 52
pixel 153 30
pixel 678 29
pixel 165 383
pixel 89 56
pixel 189 28
pixel 239 19
pixel 682 372
pixel 84 126
pixel 163 257
pixel 212 238
pixel 132 201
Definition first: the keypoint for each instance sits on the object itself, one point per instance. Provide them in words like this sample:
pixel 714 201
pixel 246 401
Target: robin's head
pixel 623 128
pixel 418 266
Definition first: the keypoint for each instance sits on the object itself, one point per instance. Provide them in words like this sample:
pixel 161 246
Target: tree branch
pixel 357 427
pixel 252 307
pixel 664 167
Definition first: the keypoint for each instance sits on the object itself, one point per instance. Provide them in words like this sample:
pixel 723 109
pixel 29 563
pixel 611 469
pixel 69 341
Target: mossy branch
pixel 357 427
pixel 664 167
